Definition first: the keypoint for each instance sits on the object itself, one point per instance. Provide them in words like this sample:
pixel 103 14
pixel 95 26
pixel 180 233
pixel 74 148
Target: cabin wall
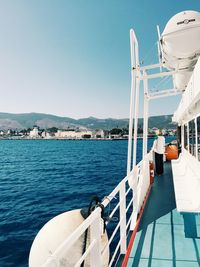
pixel 191 137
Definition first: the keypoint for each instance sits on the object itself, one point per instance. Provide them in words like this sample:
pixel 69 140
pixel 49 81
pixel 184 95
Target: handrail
pixel 94 221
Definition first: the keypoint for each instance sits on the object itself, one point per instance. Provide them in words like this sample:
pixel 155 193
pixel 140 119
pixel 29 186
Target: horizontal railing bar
pixel 128 223
pixel 118 204
pixel 110 197
pixel 129 205
pixel 113 193
pixel 116 207
pixel 140 163
pixel 113 257
pixel 157 75
pixel 117 259
pixel 111 238
pixel 153 66
pixel 128 191
pixel 90 247
pixel 114 210
pixel 113 234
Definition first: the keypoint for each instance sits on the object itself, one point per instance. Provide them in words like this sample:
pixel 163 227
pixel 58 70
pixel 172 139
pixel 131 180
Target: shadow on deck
pixel 166 237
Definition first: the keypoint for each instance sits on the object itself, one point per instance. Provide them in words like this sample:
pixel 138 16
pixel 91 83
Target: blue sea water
pixel 40 179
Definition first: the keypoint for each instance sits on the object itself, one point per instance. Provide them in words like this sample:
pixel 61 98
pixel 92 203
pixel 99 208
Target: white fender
pixel 54 233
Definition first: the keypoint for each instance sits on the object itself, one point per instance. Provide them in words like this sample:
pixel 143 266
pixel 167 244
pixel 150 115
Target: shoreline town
pixel 77 134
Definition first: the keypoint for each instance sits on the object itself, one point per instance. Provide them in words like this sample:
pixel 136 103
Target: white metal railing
pixel 135 184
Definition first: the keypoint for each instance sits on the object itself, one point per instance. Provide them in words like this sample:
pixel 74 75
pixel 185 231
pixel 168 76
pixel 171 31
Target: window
pixel 185 137
pixel 179 139
pixel 198 137
pixel 192 141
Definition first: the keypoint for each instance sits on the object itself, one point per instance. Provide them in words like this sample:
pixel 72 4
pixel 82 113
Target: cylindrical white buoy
pixel 54 233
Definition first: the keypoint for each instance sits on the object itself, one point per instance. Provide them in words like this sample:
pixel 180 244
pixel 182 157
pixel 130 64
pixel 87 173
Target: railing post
pixel 95 234
pixel 122 210
pixel 137 94
pixel 135 200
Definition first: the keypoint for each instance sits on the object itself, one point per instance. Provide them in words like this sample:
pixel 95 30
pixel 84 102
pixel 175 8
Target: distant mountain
pixel 27 120
pixel 108 124
pixel 161 122
pixel 44 121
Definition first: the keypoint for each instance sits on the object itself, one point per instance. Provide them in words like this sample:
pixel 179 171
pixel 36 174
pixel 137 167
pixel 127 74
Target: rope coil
pixel 94 203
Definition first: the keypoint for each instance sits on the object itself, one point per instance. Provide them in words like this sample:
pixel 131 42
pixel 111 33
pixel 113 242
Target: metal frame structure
pixel 139 74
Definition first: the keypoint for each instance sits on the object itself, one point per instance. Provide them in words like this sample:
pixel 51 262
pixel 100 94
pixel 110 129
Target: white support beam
pixel 152 66
pixel 130 137
pixel 164 93
pixel 158 75
pixel 145 127
pixel 145 119
pixel 137 93
pixel 134 60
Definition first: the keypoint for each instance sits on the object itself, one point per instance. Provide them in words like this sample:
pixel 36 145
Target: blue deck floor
pixel 166 237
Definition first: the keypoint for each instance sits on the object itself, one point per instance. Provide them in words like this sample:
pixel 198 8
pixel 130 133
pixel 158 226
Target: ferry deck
pixel 166 237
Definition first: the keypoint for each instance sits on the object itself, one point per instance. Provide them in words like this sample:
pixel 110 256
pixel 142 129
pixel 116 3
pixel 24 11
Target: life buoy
pixel 54 233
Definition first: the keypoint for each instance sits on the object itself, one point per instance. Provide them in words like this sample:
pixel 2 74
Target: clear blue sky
pixel 71 57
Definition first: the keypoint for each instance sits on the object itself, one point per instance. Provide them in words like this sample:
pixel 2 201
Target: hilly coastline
pixel 45 121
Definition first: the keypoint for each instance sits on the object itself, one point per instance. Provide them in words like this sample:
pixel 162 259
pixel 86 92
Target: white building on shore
pixel 46 135
pixel 70 134
pixel 34 133
pixel 99 134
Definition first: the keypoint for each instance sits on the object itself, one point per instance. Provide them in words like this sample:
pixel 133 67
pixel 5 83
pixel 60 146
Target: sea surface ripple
pixel 40 179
